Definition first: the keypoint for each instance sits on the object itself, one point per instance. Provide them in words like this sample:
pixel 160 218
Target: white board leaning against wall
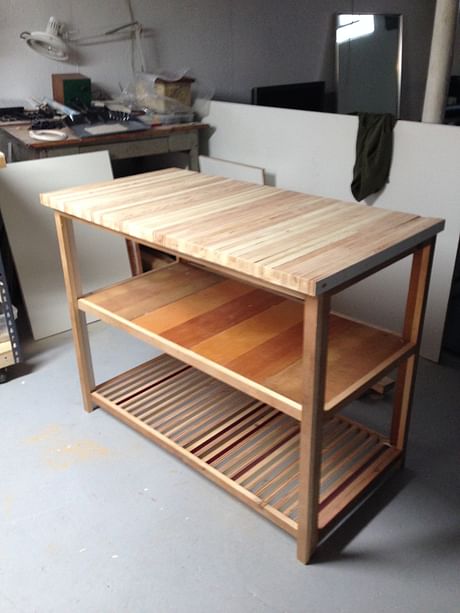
pixel 314 153
pixel 32 235
pixel 232 170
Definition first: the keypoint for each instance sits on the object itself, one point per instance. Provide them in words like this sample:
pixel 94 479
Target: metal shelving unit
pixel 10 350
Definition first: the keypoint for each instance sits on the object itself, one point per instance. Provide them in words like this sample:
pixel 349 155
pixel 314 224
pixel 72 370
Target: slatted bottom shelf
pixel 248 447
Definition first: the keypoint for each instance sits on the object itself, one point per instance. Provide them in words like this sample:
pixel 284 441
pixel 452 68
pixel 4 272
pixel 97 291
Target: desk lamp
pixel 49 43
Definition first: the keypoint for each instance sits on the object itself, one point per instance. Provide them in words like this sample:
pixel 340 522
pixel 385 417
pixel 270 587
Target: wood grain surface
pixel 254 335
pixel 299 242
pixel 21 133
pixel 245 446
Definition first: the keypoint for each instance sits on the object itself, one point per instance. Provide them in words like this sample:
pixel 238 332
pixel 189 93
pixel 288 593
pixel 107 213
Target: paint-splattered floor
pixel 96 519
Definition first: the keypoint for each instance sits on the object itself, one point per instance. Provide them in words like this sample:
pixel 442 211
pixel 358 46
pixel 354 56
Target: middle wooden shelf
pixel 248 338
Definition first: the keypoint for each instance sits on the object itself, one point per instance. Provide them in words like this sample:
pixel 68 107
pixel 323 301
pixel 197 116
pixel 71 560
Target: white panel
pixel 299 150
pixel 315 152
pixel 231 170
pixel 32 235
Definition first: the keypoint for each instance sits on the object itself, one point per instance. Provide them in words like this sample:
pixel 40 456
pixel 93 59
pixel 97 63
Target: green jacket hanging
pixel 374 150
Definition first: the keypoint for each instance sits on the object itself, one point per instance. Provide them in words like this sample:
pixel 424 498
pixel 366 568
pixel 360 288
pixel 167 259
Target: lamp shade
pixel 48 43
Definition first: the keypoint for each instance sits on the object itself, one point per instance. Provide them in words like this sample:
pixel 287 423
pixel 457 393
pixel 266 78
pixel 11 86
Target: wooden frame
pixel 266 431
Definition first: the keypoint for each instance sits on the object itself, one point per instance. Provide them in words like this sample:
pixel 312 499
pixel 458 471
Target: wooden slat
pixel 244 445
pixel 295 241
pixel 357 487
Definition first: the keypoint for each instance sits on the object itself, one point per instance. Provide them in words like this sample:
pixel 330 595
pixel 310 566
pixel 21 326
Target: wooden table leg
pixel 316 313
pixel 412 331
pixel 135 257
pixel 193 153
pixel 72 281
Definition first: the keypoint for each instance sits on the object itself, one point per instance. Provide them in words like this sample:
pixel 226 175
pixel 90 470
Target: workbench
pixel 256 368
pixel 18 146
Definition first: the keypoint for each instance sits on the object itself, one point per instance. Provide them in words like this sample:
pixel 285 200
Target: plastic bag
pixel 143 94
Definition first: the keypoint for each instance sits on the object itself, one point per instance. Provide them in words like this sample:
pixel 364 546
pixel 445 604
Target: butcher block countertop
pixel 299 243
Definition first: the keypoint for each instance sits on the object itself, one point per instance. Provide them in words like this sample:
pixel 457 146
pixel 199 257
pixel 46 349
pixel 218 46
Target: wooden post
pixel 72 281
pixel 412 331
pixel 135 257
pixel 316 313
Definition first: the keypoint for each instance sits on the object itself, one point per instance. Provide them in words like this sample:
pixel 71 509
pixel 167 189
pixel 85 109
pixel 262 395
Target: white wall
pixel 314 153
pixel 233 45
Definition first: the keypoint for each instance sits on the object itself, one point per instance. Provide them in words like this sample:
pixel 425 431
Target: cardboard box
pixel 72 89
pixel 180 90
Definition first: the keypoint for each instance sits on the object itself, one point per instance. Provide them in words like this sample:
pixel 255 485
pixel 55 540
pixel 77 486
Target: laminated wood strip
pixel 222 428
pixel 300 243
pixel 341 442
pixel 157 411
pixel 74 194
pixel 262 469
pixel 207 419
pixel 335 507
pixel 290 502
pixel 220 456
pixel 161 392
pixel 169 407
pixel 253 447
pixel 258 225
pixel 331 439
pixel 145 382
pixel 149 292
pixel 290 496
pixel 333 474
pixel 168 417
pixel 209 439
pixel 215 320
pixel 237 453
pixel 372 351
pixel 277 483
pixel 200 214
pixel 116 209
pixel 192 306
pixel 269 447
pixel 130 377
pixel 283 348
pixel 257 451
pixel 214 475
pixel 260 472
pixel 238 339
pixel 222 401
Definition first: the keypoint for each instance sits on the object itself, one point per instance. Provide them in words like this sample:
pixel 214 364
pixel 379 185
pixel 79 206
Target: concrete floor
pixel 96 519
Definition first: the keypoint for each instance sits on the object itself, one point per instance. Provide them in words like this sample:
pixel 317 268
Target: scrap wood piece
pixel 383 386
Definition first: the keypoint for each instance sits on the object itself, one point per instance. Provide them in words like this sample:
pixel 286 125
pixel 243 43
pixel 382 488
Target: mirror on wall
pixel 368 52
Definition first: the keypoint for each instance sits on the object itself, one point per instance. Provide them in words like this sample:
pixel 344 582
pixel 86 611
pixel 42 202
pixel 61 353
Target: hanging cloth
pixel 374 149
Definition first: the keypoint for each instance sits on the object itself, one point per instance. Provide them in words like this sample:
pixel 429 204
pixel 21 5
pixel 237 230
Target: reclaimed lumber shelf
pixel 241 443
pixel 226 326
pixel 256 366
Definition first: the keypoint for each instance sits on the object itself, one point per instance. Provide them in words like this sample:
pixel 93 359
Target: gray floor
pixel 94 518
